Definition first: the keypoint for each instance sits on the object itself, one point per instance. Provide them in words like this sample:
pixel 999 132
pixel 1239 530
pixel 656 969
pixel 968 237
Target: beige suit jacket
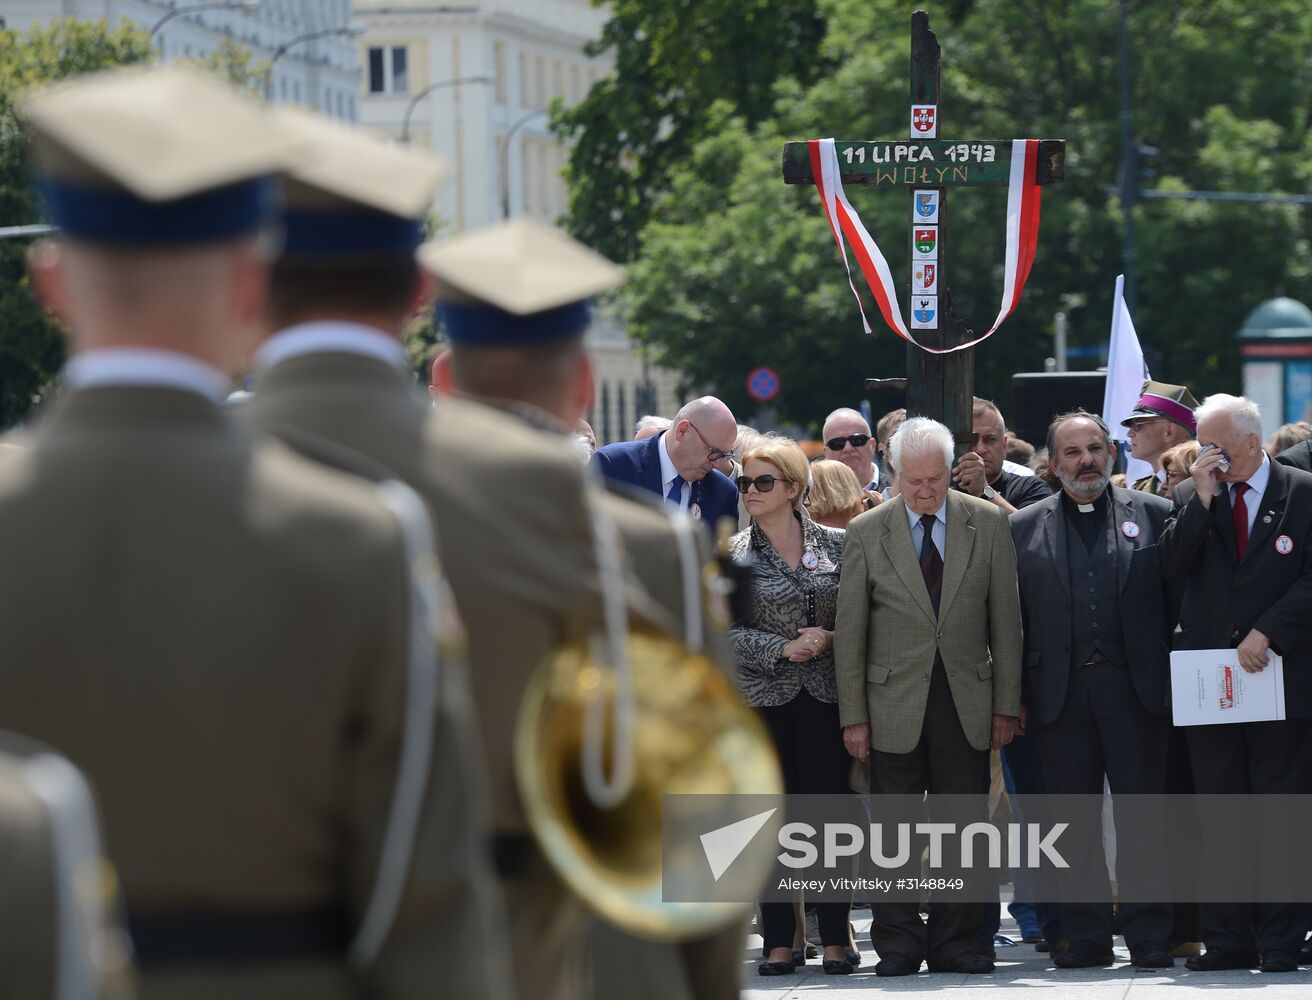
pixel 886 634
pixel 216 632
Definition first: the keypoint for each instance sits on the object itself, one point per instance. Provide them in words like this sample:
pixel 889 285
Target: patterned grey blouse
pixel 782 602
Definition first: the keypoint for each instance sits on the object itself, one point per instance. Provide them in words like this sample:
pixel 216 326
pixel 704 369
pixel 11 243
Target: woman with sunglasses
pixel 785 660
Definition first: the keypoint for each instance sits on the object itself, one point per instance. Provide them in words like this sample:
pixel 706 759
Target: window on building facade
pixel 499 68
pixel 388 70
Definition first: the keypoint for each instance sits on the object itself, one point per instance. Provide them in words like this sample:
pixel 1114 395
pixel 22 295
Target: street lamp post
pixel 505 158
pixel 194 7
pixel 309 36
pixel 410 108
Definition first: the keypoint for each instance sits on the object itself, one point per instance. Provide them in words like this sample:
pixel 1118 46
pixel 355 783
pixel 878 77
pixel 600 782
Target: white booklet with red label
pixel 1209 687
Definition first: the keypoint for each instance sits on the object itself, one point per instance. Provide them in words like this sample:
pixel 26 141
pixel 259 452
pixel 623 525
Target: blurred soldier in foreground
pixel 509 504
pixel 56 889
pixel 218 633
pixel 518 345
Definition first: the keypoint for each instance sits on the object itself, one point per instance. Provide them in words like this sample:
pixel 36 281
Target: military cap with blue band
pixel 514 283
pixel 155 157
pixel 353 195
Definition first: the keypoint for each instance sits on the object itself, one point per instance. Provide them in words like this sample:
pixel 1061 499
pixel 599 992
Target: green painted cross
pixel 938 385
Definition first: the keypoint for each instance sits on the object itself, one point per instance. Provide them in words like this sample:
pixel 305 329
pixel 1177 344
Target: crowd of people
pixel 914 609
pixel 267 652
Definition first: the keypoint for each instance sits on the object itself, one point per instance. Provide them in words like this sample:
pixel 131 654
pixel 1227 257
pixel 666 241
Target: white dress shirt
pixel 1257 486
pixel 145 366
pixel 669 474
pixel 940 532
pixel 330 337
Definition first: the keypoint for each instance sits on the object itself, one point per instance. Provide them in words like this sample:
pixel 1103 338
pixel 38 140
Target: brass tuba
pixel 680 727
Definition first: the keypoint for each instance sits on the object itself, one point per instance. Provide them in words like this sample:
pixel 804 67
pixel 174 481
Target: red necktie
pixel 1240 513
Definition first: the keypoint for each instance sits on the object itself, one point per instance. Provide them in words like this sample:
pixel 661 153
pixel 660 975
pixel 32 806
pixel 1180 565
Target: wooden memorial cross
pixel 938 385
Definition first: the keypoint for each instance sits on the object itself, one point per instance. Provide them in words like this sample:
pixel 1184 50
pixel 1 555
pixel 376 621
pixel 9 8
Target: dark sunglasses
pixel 763 484
pixel 855 440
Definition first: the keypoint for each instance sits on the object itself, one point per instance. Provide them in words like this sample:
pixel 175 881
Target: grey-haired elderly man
pixel 927 645
pixel 1240 540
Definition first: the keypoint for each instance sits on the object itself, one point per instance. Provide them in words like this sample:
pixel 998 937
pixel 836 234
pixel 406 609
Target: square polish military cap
pixel 517 282
pixel 1162 399
pixel 161 157
pixel 351 195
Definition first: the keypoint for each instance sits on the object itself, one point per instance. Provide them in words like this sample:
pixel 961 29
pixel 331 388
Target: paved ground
pixel 1022 974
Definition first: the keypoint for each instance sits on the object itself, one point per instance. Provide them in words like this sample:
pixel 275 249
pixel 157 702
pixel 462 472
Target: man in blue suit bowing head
pixel 680 463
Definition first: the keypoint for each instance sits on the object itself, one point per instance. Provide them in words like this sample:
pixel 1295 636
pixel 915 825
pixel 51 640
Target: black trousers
pixel 1254 757
pixel 1104 729
pixel 809 739
pixel 943 763
pixel 1186 862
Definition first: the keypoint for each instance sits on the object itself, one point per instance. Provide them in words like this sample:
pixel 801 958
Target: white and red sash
pixel 1022 237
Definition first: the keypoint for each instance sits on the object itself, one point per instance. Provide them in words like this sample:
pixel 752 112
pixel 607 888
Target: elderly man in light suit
pixel 927 645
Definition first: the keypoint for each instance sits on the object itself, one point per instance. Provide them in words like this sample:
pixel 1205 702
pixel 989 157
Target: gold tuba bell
pixel 680 727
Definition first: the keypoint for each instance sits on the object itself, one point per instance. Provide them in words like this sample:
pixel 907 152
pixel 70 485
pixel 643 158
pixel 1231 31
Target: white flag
pixel 1126 374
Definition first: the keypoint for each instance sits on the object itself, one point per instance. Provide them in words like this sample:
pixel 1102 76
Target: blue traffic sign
pixel 763 384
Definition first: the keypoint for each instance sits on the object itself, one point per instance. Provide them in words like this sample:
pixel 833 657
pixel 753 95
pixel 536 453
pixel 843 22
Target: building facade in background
pixel 473 83
pixel 408 57
pixel 516 57
pixel 322 73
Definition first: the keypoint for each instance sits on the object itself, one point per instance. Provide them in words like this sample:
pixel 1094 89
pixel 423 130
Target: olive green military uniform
pixel 516 547
pixel 546 275
pixel 218 633
pixel 56 896
pixel 707 967
pixel 510 508
pixel 1149 484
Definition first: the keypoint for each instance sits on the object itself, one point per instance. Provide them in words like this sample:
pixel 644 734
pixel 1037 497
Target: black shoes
pixel 1151 955
pixel 967 963
pixel 896 964
pixel 1216 960
pixel 1278 960
pixel 782 968
pixel 837 967
pixel 1084 955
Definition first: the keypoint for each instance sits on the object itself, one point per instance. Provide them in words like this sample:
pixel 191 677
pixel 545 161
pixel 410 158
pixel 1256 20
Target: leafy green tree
pixel 673 60
pixel 735 270
pixel 234 62
pixel 31 345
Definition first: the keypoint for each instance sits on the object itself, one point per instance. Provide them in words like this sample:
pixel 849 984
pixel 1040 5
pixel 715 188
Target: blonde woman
pixel 784 654
pixel 1177 463
pixel 835 496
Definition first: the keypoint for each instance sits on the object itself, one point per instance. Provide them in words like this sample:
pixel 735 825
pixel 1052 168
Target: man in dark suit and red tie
pixel 678 464
pixel 1240 539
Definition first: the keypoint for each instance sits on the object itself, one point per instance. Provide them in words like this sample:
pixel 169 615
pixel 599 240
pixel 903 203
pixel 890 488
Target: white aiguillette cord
pixel 607 793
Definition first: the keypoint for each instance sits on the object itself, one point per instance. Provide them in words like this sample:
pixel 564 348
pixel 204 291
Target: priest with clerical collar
pixel 1098 620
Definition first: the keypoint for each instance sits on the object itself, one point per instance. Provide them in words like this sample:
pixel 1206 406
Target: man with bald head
pixel 679 464
pixel 848 440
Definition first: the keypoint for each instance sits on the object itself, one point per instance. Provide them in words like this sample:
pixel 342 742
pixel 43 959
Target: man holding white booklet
pixel 1240 539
